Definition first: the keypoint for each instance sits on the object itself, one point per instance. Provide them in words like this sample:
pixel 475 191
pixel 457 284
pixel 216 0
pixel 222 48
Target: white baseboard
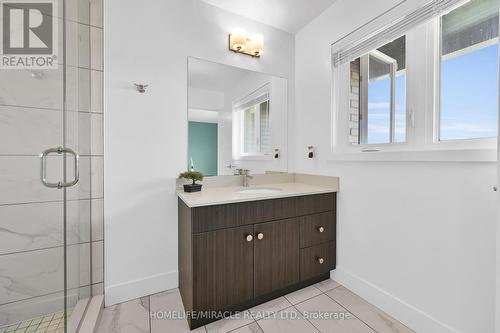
pixel 407 314
pixel 129 290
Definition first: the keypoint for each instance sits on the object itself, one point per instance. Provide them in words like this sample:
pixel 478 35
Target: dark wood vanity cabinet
pixel 222 268
pixel 276 256
pixel 235 256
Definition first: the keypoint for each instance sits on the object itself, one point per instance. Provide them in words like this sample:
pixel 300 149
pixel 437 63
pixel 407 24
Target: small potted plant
pixel 194 176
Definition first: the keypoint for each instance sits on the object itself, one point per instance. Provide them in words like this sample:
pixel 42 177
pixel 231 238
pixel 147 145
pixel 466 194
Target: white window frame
pixel 422 105
pixel 435 71
pixel 363 105
pixel 252 100
pixel 256 129
pixel 341 147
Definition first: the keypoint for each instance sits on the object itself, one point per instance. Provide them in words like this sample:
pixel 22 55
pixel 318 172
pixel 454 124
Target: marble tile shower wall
pixel 31 215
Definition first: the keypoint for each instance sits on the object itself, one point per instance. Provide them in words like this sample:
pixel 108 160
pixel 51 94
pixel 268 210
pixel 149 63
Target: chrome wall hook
pixel 141 87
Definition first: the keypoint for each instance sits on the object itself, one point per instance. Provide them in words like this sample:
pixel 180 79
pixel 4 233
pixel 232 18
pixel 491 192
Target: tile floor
pixel 50 323
pixel 296 312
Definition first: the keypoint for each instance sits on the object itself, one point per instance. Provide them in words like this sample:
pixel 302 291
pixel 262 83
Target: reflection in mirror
pixel 237 120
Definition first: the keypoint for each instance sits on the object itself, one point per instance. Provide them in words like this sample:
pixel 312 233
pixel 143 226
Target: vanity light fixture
pixel 240 42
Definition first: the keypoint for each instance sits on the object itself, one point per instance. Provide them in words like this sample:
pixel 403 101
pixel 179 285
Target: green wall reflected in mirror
pixel 203 147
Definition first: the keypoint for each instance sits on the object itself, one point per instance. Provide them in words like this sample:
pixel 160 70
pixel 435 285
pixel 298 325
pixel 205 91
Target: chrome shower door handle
pixel 59 151
pixel 76 167
pixel 43 173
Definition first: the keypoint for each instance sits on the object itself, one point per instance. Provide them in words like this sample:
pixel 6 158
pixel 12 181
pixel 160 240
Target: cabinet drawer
pixel 311 264
pixel 316 229
pixel 210 218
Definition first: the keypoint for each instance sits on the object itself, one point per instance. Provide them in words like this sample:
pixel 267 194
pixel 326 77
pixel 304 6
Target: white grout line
pixel 274 313
pixel 352 313
pixel 305 299
pixel 254 321
pixel 260 326
pixel 49 248
pixel 237 328
pixel 47 201
pixel 317 329
pixel 149 314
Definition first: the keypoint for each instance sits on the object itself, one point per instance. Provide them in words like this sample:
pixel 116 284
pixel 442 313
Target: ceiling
pixel 288 15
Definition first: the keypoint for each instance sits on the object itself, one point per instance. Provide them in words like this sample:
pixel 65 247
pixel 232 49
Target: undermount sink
pixel 259 190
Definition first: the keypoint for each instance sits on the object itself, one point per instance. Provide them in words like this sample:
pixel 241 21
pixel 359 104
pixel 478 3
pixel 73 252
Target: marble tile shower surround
pixel 18 125
pixel 25 274
pixel 31 215
pixel 30 308
pixel 268 178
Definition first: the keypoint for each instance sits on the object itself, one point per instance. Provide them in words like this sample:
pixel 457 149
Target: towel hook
pixel 141 87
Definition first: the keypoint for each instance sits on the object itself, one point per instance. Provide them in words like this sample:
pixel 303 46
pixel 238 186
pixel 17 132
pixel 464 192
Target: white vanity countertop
pixel 225 195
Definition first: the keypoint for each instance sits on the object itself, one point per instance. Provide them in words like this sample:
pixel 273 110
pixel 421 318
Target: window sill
pixel 448 155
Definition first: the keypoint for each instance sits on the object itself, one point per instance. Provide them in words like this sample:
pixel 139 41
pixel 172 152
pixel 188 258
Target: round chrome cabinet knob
pixel 321 229
pixel 321 261
pixel 260 236
pixel 249 238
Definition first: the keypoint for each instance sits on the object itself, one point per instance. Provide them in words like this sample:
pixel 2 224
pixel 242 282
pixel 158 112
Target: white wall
pixel 205 99
pixel 497 308
pixel 415 238
pixel 146 134
pixel 225 139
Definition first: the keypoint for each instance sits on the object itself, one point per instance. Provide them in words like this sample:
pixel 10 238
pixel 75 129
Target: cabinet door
pixel 222 268
pixel 276 255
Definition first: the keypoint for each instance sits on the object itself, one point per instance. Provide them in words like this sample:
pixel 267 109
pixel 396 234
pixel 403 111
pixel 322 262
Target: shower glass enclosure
pixel 45 202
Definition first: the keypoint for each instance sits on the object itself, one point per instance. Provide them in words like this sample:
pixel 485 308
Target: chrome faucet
pixel 246 175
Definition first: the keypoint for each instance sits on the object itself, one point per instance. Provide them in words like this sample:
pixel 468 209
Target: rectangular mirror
pixel 237 120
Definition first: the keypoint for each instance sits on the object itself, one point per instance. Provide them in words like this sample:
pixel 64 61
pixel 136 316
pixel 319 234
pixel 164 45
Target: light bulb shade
pixel 238 40
pixel 256 44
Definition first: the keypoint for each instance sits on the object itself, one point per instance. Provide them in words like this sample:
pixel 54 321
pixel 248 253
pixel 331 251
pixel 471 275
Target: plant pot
pixel 192 188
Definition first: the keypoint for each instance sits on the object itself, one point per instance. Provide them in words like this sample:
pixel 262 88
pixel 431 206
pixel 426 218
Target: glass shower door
pixel 45 226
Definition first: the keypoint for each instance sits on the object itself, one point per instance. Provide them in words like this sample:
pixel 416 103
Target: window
pixel 469 71
pixel 249 130
pixel 255 129
pixel 265 140
pixel 426 81
pixel 252 124
pixel 380 92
